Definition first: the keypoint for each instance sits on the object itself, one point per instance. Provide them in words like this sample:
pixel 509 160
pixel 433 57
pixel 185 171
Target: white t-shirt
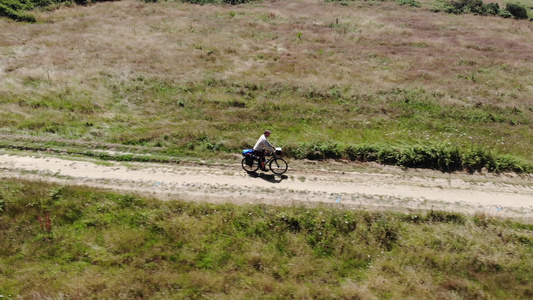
pixel 263 143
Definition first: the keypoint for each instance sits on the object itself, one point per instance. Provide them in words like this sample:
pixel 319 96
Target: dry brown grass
pixel 372 46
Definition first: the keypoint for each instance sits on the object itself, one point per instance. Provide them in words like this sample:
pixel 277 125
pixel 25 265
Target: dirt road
pixel 374 188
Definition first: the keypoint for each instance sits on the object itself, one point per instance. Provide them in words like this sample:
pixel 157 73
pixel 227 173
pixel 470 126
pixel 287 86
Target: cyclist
pixel 262 146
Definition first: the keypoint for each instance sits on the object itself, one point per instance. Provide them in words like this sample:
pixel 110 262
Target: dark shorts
pixel 260 153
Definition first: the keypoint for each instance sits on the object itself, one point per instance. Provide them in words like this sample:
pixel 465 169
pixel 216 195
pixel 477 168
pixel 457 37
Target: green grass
pixel 100 244
pixel 18 10
pixel 413 121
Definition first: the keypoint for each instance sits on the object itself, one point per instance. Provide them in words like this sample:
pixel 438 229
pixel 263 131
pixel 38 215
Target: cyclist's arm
pixel 269 146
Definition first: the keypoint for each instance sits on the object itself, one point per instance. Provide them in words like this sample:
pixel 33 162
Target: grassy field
pixel 359 80
pixel 63 242
pixel 181 79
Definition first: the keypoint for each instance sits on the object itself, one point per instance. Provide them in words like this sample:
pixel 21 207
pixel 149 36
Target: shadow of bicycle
pixel 268 177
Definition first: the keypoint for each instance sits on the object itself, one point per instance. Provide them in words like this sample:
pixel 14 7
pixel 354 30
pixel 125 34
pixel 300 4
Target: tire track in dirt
pixel 229 183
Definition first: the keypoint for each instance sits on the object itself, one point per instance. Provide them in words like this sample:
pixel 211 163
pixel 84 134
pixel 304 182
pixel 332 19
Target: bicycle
pixel 251 162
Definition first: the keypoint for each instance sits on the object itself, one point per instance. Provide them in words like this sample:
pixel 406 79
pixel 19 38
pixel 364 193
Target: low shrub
pixel 17 15
pixel 413 3
pixel 460 6
pixel 14 5
pixel 470 6
pixel 492 9
pixel 504 13
pixel 362 152
pixel 16 9
pixel 507 163
pixel 319 150
pixel 439 157
pixel 517 10
pixel 232 2
pixel 475 160
pixel 87 2
pixel 442 157
pixel 511 10
pixel 445 217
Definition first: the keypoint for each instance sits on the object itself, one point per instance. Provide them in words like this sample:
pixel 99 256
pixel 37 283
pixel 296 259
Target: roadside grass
pixel 206 82
pixel 436 156
pixel 79 242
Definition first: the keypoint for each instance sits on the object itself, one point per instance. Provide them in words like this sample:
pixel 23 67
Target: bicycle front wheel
pixel 278 166
pixel 250 165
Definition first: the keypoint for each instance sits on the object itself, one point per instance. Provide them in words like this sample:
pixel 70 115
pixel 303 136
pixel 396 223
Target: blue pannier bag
pixel 246 152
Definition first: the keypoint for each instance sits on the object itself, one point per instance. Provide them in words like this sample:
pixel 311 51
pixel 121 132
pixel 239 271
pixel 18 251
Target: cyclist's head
pixel 267 133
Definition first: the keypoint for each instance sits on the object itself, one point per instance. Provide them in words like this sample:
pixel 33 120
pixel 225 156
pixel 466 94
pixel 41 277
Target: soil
pixel 340 184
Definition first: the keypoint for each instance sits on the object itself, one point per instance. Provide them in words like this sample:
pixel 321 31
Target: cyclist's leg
pixel 261 156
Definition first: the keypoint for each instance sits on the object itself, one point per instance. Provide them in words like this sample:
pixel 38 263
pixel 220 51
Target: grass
pixel 362 80
pixel 108 245
pixel 169 77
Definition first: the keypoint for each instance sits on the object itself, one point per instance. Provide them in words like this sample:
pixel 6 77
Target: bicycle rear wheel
pixel 278 166
pixel 250 166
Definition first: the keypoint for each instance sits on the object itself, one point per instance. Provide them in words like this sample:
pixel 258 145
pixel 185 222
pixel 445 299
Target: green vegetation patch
pixel 232 2
pixel 15 10
pixel 477 7
pixel 404 127
pixel 441 157
pixel 78 242
pixel 18 9
pixel 413 3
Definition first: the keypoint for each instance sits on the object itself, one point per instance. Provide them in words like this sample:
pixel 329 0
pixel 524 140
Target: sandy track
pixel 504 195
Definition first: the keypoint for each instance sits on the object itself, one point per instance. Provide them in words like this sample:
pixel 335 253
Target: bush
pixel 15 9
pixel 466 6
pixel 491 9
pixel 6 11
pixel 318 151
pixel 517 10
pixel 362 152
pixel 232 2
pixel 413 3
pixel 507 163
pixel 442 157
pixel 87 2
pixel 15 5
pixel 439 157
pixel 445 217
pixel 504 13
pixel 475 160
